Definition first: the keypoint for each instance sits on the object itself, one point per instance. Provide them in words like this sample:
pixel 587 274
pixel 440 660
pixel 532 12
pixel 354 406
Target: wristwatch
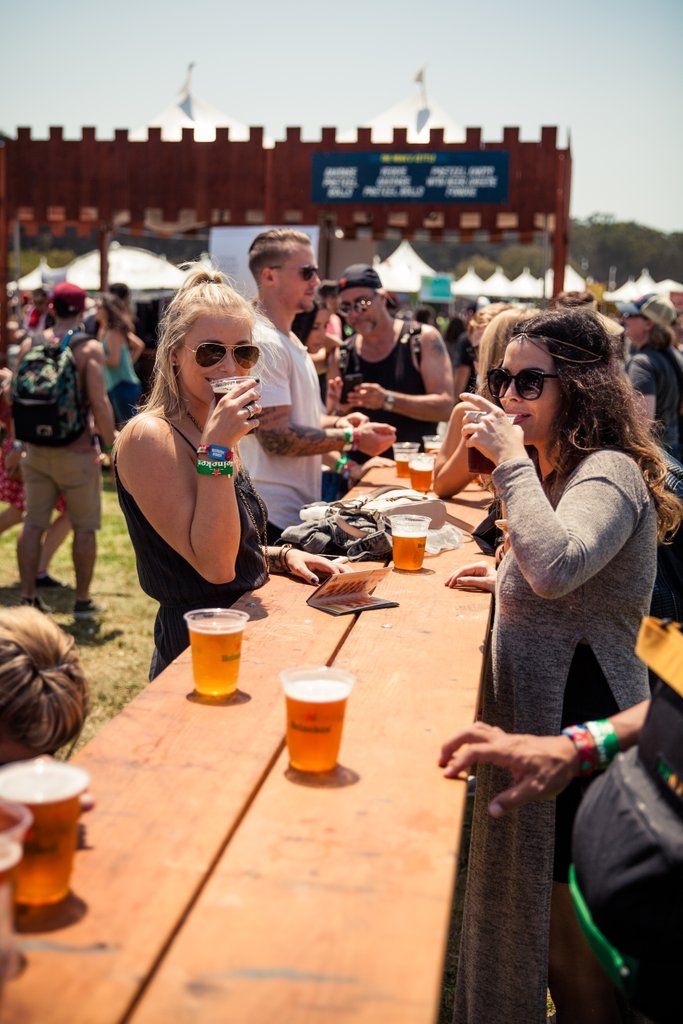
pixel 388 403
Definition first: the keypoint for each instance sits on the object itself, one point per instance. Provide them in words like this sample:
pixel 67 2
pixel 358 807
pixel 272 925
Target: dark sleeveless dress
pixel 169 578
pixel 396 372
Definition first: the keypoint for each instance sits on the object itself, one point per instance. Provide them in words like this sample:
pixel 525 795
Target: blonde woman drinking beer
pixel 197 525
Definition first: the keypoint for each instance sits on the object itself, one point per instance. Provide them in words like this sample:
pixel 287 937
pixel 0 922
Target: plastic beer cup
pixel 51 790
pixel 409 540
pixel 224 385
pixel 403 453
pixel 216 642
pixel 14 821
pixel 421 470
pixel 477 462
pixel 431 443
pixel 316 702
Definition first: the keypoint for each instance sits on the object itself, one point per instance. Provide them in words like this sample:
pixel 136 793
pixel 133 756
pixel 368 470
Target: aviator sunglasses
pixel 529 383
pixel 210 353
pixel 359 306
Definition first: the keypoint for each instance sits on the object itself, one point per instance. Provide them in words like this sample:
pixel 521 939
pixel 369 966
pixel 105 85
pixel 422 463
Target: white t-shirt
pixel 288 377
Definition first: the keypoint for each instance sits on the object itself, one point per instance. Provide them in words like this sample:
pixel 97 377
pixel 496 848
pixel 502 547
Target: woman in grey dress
pixel 583 483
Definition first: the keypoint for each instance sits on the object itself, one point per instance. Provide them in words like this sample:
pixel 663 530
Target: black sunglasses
pixel 359 306
pixel 210 353
pixel 529 383
pixel 308 272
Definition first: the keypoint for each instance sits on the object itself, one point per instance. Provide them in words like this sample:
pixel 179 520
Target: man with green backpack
pixel 59 403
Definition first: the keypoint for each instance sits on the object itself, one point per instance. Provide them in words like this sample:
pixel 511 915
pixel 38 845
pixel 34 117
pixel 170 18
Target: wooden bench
pixel 214 886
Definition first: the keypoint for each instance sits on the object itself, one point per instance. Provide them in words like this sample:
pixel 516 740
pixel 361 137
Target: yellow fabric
pixel 661 648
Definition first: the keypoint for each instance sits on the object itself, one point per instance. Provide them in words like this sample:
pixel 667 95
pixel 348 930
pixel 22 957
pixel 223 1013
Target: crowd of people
pixel 579 415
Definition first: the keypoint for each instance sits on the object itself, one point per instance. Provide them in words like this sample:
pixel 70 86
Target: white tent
pixel 667 286
pixel 497 286
pixel 573 282
pixel 470 285
pixel 526 286
pixel 34 278
pixel 190 111
pixel 646 282
pixel 139 269
pixel 403 270
pixel 627 293
pixel 417 113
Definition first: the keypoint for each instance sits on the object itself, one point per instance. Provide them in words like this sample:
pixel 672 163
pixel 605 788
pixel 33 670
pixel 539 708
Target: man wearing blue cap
pixel 655 368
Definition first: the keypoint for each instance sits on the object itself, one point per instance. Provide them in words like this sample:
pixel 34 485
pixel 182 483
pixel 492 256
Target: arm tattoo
pixel 280 437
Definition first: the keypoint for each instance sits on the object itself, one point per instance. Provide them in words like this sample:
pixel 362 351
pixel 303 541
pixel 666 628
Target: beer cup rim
pixel 406 446
pixel 234 620
pixel 423 459
pixel 36 777
pixel 289 677
pixel 23 819
pixel 11 852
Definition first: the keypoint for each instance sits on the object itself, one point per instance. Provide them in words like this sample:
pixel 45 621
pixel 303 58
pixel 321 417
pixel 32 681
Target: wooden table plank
pixel 332 902
pixel 171 778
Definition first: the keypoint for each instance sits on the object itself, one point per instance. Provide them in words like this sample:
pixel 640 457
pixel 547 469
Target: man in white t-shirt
pixel 284 455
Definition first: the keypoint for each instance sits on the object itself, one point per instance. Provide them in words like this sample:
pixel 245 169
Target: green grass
pixel 116 649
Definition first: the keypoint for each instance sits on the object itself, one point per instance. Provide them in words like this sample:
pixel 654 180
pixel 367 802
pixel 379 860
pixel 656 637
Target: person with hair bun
pixel 197 525
pixel 43 688
pixel 583 515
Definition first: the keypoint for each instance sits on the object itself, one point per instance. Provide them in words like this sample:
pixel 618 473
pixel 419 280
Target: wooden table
pixel 216 885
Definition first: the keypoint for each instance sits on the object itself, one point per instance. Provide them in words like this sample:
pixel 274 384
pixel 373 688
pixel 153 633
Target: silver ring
pixel 250 408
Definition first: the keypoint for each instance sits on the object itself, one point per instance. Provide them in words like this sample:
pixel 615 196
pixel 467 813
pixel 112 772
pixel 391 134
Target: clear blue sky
pixel 609 71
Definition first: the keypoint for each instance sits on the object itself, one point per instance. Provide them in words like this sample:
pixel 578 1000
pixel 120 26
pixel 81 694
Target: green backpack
pixel 47 406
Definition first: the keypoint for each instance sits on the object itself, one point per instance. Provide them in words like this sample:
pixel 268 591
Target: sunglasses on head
pixel 210 353
pixel 359 306
pixel 307 272
pixel 529 383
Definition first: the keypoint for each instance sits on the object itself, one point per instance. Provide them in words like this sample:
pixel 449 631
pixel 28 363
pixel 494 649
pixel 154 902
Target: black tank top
pixel 169 578
pixel 396 372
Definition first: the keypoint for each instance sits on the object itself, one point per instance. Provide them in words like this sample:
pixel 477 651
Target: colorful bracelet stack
pixel 214 460
pixel 606 741
pixel 585 745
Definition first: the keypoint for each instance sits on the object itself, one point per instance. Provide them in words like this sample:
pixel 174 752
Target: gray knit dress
pixel 581 569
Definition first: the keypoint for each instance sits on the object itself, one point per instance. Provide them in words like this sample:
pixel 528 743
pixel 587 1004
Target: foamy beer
pixel 51 790
pixel 216 643
pixel 316 702
pixel 409 540
pixel 431 443
pixel 224 385
pixel 420 471
pixel 403 453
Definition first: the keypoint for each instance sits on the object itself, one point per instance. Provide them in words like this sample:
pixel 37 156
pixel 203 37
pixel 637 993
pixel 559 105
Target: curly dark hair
pixel 599 406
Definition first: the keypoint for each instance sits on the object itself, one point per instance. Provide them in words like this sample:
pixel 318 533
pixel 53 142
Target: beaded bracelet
pixel 606 741
pixel 585 745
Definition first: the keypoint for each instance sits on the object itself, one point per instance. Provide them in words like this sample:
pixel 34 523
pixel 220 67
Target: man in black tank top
pixel 405 367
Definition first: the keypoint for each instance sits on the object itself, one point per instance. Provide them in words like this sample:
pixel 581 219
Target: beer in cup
pixel 216 643
pixel 421 470
pixel 225 384
pixel 431 443
pixel 477 462
pixel 403 453
pixel 51 790
pixel 316 702
pixel 409 539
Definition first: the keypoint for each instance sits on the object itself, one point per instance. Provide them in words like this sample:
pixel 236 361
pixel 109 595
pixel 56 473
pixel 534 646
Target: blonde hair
pixel 494 341
pixel 485 315
pixel 43 688
pixel 205 292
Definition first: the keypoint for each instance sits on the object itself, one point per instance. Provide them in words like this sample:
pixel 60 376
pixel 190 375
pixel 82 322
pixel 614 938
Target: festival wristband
pixel 348 438
pixel 213 467
pixel 605 739
pixel 341 464
pixel 585 745
pixel 215 452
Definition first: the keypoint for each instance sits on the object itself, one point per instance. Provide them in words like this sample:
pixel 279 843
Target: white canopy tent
pixel 141 270
pixel 667 286
pixel 627 293
pixel 573 282
pixel 417 113
pixel 646 282
pixel 191 111
pixel 526 286
pixel 34 278
pixel 403 270
pixel 497 286
pixel 470 285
